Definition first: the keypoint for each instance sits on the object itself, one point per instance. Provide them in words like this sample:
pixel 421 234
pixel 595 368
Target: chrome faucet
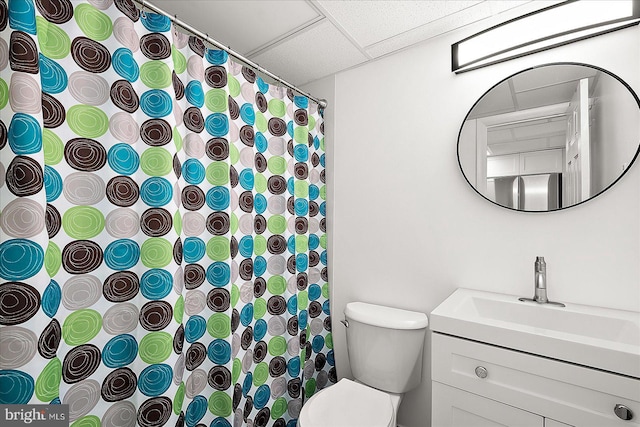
pixel 540 284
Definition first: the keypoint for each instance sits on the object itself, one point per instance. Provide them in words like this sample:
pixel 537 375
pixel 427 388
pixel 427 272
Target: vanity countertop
pixel 597 337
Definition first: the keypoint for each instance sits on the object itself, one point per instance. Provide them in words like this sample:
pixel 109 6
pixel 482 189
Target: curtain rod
pixel 174 18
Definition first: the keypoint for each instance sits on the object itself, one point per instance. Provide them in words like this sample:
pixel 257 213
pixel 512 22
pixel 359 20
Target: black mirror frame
pixel 636 155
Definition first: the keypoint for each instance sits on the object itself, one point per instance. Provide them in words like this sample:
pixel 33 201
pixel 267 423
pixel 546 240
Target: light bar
pixel 546 28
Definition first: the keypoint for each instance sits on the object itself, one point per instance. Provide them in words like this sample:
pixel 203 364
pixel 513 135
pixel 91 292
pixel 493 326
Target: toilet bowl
pixel 350 404
pixel 385 347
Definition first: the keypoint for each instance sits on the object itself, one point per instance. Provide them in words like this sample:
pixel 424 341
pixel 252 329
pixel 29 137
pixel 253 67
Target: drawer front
pixel 571 394
pixel 453 407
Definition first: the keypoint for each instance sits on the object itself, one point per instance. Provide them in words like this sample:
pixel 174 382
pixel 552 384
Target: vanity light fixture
pixel 544 29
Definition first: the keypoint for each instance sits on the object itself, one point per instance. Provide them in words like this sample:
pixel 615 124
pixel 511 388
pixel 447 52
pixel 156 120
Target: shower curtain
pixel 162 230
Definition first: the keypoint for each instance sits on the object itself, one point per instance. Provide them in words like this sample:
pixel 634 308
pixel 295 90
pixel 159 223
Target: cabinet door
pixel 452 407
pixel 545 161
pixel 548 422
pixel 506 165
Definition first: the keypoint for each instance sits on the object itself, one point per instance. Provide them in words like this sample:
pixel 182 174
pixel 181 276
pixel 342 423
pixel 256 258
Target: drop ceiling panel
pixel 548 95
pixel 371 21
pixel 305 58
pixel 561 75
pixel 498 100
pixel 244 25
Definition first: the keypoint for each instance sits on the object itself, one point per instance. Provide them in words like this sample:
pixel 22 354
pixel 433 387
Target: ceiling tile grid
pixel 305 40
pixel 302 59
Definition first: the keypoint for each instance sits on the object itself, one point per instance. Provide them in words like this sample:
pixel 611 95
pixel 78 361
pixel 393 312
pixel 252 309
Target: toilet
pixel 385 348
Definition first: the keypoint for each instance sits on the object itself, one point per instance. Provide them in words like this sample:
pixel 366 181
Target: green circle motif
pixel 328 341
pixel 177 138
pixel 235 295
pixel 217 173
pixel 53 40
pixel 261 122
pixel 323 241
pixel 277 107
pixel 302 243
pixel 260 182
pixel 310 388
pixel 216 100
pixel 277 224
pixel 276 285
pixel 155 74
pixel 218 248
pixel 178 309
pixel 259 308
pixel 93 23
pixel 233 85
pixel 234 154
pixel 4 93
pixel 303 300
pixel 52 146
pixel 87 121
pixel 277 346
pixel 88 421
pixel 156 252
pixel 179 61
pixel 81 326
pixel 279 408
pixel 177 222
pixel 260 374
pixel 156 161
pixel 219 325
pixel 277 165
pixel 301 189
pixel 48 382
pixel 220 404
pixel 301 134
pixel 312 122
pixel 259 245
pixel 234 223
pixel 236 369
pixel 178 401
pixel 52 258
pixel 156 347
pixel 323 192
pixel 83 222
pixel 325 290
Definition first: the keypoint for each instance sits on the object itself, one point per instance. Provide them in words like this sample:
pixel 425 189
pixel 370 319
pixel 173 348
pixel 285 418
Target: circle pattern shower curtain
pixel 162 232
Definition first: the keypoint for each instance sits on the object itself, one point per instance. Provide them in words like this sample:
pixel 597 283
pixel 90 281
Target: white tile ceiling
pixel 305 40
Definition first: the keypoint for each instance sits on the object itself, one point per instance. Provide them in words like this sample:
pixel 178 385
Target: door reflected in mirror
pixel 550 137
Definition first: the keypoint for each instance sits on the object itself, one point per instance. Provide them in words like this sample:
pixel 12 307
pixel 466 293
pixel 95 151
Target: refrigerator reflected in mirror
pixel 541 192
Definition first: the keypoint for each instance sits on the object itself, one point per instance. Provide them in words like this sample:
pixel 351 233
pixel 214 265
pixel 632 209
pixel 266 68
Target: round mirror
pixel 550 137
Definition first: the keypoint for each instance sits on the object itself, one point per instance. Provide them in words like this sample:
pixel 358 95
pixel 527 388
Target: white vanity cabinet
pixel 477 384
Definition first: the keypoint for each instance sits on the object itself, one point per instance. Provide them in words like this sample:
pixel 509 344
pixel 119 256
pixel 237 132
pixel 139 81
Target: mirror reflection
pixel 550 137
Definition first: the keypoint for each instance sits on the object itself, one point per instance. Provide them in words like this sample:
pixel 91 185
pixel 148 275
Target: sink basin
pixel 591 336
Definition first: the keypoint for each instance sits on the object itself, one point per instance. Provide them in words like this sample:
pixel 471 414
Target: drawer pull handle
pixel 623 412
pixel 481 372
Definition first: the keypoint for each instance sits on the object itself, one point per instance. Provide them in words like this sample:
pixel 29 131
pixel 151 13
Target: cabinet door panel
pixel 548 422
pixel 453 407
pixel 562 391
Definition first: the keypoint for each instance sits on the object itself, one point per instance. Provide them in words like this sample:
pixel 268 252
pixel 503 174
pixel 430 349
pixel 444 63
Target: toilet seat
pixel 348 404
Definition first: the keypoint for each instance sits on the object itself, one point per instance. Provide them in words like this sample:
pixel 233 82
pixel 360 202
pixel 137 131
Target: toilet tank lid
pixel 385 317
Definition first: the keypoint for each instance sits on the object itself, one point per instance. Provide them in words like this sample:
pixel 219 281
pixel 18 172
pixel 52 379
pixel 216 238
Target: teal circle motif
pixel 20 259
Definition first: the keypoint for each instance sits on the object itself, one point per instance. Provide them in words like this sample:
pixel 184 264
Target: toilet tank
pixel 385 346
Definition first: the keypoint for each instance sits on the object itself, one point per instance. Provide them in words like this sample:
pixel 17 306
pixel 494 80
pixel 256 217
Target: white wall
pixel 405 228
